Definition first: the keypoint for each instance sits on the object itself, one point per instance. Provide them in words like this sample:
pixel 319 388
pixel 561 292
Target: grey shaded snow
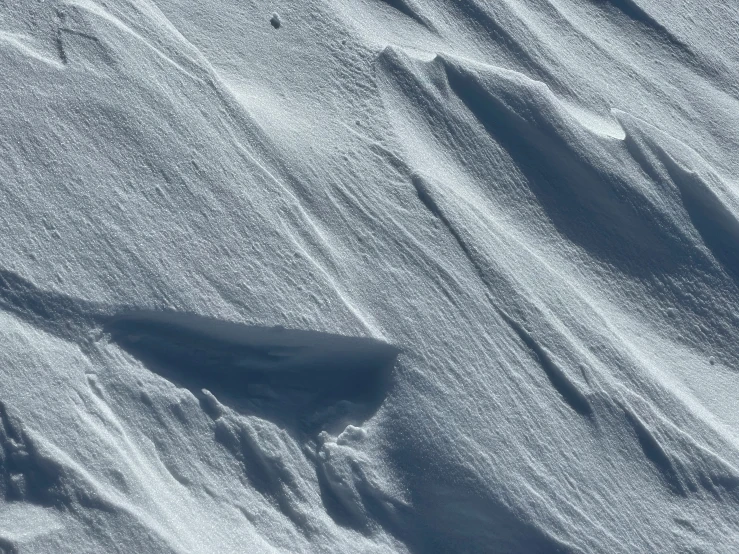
pixel 369 276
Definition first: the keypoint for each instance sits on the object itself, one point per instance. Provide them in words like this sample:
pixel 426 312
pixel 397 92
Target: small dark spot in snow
pixel 712 360
pixel 146 398
pixel 275 21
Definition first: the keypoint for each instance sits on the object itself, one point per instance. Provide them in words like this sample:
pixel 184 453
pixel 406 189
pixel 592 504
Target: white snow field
pixel 419 276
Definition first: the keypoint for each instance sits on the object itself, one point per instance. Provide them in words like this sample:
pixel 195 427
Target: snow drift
pixel 387 276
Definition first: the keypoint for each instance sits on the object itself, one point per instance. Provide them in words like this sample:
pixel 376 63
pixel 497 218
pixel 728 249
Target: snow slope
pixel 390 276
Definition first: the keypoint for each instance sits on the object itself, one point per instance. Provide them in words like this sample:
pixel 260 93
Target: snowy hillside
pixel 369 276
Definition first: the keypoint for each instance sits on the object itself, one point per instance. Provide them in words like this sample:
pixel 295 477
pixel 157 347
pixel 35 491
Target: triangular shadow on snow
pixel 303 380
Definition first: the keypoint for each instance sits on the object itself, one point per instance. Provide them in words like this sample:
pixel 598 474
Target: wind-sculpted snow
pixel 291 376
pixel 369 276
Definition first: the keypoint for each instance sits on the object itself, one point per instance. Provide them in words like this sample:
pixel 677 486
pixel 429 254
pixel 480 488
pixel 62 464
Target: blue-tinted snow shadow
pixel 455 508
pixel 589 205
pixel 302 380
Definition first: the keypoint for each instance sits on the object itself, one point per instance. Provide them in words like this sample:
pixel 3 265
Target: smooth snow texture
pixel 369 276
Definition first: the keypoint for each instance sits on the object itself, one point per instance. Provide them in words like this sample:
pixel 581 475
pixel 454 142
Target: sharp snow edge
pixel 369 276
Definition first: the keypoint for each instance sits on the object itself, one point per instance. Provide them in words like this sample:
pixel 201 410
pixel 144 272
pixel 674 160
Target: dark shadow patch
pixel 676 47
pixel 75 46
pixel 637 14
pixel 565 386
pixel 55 313
pixel 409 10
pixel 589 205
pixel 304 380
pixel 424 195
pixel 716 224
pixel 25 474
pixel 342 513
pixel 7 546
pixel 271 479
pixel 717 480
pixel 455 510
pixel 480 15
pixel 423 190
pixel 654 452
pixel 711 218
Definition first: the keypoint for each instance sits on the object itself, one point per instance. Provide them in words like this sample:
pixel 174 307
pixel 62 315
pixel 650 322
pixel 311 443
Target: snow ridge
pixel 369 276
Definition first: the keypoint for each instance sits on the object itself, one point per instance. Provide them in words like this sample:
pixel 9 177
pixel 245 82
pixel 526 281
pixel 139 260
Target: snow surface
pixel 369 276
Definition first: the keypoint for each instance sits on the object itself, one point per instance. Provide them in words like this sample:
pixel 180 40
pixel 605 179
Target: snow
pixel 369 276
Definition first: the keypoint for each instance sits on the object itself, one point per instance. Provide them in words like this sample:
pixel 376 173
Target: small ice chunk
pixel 351 435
